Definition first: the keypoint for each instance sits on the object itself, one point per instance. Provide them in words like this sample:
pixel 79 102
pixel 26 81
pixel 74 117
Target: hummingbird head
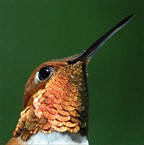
pixel 56 94
pixel 58 91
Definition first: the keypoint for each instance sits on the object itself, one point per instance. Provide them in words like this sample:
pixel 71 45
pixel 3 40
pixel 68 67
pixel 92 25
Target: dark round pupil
pixel 44 73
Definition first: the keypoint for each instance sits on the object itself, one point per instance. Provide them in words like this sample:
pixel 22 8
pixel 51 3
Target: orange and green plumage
pixel 58 104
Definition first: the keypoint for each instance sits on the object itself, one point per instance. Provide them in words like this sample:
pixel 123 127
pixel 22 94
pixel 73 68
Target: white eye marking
pixel 36 80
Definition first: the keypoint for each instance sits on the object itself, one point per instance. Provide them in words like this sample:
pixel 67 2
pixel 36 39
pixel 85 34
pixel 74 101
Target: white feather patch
pixel 57 138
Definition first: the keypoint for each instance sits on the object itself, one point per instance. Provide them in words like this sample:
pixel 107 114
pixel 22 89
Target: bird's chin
pixel 57 138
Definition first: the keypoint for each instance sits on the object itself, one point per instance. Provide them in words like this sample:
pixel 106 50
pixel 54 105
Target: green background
pixel 34 31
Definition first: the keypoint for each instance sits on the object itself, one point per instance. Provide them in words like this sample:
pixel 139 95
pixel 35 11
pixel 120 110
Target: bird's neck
pixel 57 138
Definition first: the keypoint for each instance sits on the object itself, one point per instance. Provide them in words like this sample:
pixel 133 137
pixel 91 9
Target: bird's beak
pixel 87 55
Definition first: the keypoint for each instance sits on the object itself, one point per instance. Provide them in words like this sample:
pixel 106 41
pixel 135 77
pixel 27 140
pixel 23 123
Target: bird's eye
pixel 43 74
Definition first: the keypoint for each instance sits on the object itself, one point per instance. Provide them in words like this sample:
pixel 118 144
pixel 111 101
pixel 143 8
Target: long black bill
pixel 97 44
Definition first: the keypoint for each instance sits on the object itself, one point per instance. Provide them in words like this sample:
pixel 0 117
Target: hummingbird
pixel 56 102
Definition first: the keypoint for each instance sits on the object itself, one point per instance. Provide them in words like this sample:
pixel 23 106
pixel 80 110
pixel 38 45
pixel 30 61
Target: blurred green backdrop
pixel 34 31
